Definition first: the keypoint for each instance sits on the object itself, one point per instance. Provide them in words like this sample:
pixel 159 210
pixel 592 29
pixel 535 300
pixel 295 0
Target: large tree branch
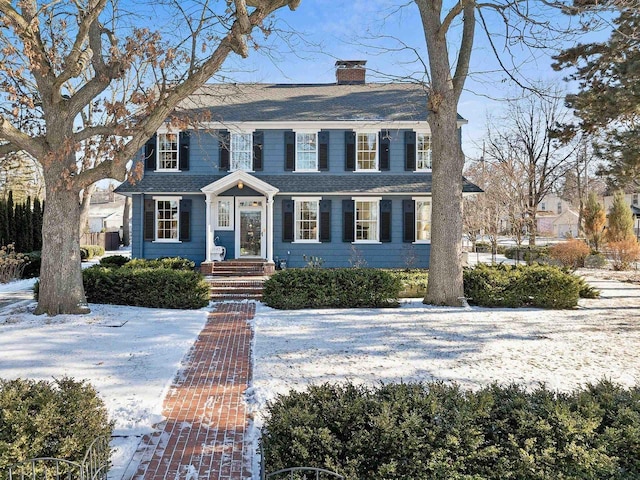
pixel 20 140
pixel 75 62
pixel 466 46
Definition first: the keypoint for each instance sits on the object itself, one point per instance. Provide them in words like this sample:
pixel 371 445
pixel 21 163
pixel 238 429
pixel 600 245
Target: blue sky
pixel 374 30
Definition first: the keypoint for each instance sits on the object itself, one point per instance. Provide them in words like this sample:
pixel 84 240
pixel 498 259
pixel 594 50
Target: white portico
pixel 241 203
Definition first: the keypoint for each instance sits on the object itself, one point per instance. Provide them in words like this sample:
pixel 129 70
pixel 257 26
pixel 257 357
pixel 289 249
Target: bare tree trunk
pixel 61 289
pixel 84 209
pixel 126 234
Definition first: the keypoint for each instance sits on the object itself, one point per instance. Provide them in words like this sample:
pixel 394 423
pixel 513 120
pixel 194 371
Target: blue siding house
pixel 282 172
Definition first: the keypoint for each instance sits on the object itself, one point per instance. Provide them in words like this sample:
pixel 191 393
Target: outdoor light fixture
pixel 240 185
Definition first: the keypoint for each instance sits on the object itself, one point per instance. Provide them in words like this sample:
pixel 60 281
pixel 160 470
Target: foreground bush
pixel 570 254
pixel 413 281
pixel 114 261
pixel 49 419
pixel 12 263
pixel 32 267
pixel 146 287
pixel 439 431
pixel 542 286
pixel 331 288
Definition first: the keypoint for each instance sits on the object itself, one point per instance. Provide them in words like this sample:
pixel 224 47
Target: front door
pixel 250 228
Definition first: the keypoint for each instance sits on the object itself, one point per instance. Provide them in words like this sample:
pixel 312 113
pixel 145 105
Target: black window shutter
pixel 410 151
pixel 287 220
pixel 349 151
pixel 409 221
pixel 325 220
pixel 348 227
pixel 185 220
pixel 323 151
pixel 183 160
pixel 289 151
pixel 384 142
pixel 150 153
pixel 149 219
pixel 385 220
pixel 258 142
pixel 224 144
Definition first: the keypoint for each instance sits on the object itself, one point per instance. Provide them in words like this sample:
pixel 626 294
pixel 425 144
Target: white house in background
pixel 557 218
pixel 106 216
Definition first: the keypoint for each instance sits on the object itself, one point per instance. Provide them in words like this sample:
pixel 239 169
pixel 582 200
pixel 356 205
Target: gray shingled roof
pixel 296 183
pixel 317 102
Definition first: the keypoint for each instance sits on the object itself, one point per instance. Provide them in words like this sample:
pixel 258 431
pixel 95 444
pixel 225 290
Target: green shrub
pixel 49 419
pixel 483 247
pixel 32 267
pixel 331 288
pixel 146 287
pixel 586 290
pixel 414 282
pixel 440 431
pixel 542 286
pixel 87 252
pixel 114 261
pixel 172 263
pixel 527 253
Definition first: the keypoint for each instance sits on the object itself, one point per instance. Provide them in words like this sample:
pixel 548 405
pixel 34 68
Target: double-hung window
pixel 423 220
pixel 167 219
pixel 168 151
pixel 367 220
pixel 366 151
pixel 306 219
pixel 306 152
pixel 241 151
pixel 423 152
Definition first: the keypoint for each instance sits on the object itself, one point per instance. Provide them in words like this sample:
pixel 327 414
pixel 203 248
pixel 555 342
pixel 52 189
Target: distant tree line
pixel 21 223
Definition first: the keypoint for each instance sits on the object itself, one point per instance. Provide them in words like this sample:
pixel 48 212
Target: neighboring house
pixel 337 171
pixel 105 216
pixel 556 218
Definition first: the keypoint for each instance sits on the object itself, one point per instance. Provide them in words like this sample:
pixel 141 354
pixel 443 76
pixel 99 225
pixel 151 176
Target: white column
pixel 209 227
pixel 270 228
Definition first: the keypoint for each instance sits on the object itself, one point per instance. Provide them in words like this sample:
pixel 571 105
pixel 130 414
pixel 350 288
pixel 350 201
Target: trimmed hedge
pixel 49 419
pixel 172 263
pixel 414 282
pixel 331 288
pixel 146 287
pixel 114 261
pixel 542 286
pixel 527 253
pixel 438 431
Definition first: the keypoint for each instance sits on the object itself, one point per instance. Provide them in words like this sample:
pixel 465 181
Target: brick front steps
pixel 237 279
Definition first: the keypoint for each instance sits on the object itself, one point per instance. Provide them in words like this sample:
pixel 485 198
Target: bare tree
pixel 95 87
pixel 524 137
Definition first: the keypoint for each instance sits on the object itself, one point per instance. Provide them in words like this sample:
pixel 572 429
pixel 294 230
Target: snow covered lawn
pixel 129 354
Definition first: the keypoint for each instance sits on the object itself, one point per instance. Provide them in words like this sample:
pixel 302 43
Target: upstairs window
pixel 241 152
pixel 423 152
pixel 306 152
pixel 168 148
pixel 367 151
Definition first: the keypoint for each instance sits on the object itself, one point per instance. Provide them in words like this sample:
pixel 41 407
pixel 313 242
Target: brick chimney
pixel 350 72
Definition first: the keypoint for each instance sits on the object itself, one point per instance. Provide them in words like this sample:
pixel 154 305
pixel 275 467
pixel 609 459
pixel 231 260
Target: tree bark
pixel 85 204
pixel 126 234
pixel 61 288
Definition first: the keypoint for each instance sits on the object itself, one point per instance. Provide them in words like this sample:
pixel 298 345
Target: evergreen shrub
pixel 114 261
pixel 146 287
pixel 293 288
pixel 438 431
pixel 527 253
pixel 413 281
pixel 87 252
pixel 542 286
pixel 57 419
pixel 32 267
pixel 172 263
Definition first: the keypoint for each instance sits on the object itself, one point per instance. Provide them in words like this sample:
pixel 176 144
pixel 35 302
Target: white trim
pixel 232 179
pixel 328 125
pixel 306 199
pixel 366 199
pixel 167 198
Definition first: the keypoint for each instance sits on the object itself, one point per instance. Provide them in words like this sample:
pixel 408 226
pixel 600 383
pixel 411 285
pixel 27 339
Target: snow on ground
pixel 129 354
pixel 471 346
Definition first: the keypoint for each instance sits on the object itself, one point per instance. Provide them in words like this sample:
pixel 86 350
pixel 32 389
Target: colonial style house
pixel 283 173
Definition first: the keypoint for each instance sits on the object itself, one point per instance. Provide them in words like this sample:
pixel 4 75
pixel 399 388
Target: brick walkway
pixel 203 436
